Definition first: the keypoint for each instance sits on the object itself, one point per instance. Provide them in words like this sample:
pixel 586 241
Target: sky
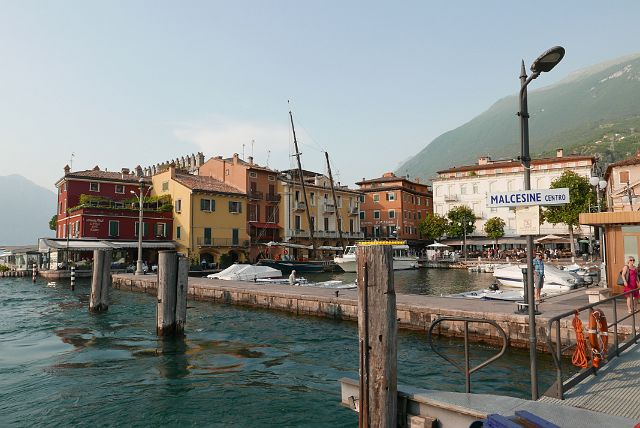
pixel 125 83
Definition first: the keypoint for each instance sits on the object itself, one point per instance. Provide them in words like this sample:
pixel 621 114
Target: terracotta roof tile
pixel 515 163
pixel 106 175
pixel 206 184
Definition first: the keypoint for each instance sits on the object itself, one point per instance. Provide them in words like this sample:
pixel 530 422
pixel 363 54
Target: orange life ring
pixel 598 336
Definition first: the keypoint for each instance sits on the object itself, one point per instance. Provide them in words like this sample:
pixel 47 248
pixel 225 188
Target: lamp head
pixel 602 184
pixel 594 181
pixel 132 192
pixel 548 60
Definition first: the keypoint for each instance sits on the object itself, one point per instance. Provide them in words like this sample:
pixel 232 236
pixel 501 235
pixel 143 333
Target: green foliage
pixel 151 203
pixel 4 268
pixel 433 226
pixel 580 195
pixel 461 219
pixel 494 228
pixel 53 223
pixel 92 199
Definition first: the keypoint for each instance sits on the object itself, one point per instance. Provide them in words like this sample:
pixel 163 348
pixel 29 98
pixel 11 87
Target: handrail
pixel 559 387
pixel 466 370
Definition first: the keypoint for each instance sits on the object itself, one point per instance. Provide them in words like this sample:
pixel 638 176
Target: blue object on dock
pixel 536 420
pixel 499 421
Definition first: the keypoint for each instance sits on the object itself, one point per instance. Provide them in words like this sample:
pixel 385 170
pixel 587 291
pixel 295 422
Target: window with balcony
pixel 235 207
pixel 207 205
pixel 114 228
pixel 94 187
pixel 119 188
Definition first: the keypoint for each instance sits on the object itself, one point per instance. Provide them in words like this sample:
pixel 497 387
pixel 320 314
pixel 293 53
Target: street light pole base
pixel 139 268
pixel 523 308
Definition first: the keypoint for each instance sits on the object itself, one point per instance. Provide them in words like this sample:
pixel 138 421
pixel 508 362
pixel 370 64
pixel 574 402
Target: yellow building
pixel 209 216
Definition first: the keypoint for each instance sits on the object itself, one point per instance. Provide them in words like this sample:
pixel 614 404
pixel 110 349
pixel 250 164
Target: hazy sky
pixel 120 83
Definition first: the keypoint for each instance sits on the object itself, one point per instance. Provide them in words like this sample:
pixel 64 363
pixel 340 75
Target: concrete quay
pixel 415 312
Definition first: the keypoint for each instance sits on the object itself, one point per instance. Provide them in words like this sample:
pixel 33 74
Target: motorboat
pixel 402 260
pixel 246 272
pixel 555 279
pixel 507 295
pixel 484 268
pixel 287 266
pixel 303 282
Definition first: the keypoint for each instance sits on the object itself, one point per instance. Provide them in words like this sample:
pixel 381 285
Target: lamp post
pixel 544 63
pixel 630 194
pixel 141 196
pixel 464 224
pixel 599 184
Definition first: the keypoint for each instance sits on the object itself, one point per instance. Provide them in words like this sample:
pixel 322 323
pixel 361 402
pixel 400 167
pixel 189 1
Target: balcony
pixel 328 208
pixel 450 198
pixel 299 206
pixel 272 197
pixel 354 210
pixel 255 196
pixel 221 242
pixel 298 233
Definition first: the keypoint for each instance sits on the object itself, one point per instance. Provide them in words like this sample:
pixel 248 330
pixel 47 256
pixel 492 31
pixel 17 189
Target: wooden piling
pixel 377 329
pixel 101 281
pixel 173 274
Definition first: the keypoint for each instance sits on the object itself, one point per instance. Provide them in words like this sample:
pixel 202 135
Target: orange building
pixel 393 207
pixel 263 191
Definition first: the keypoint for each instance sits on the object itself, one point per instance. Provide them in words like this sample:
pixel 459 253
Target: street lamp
pixel 544 63
pixel 464 233
pixel 141 196
pixel 630 195
pixel 599 184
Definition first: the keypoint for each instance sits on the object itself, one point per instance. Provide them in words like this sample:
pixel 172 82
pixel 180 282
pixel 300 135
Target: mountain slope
pixel 589 106
pixel 27 209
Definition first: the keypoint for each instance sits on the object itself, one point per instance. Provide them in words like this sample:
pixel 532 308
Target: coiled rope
pixel 579 358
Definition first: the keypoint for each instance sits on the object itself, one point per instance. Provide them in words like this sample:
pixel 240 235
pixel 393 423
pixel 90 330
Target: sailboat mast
pixel 304 191
pixel 335 201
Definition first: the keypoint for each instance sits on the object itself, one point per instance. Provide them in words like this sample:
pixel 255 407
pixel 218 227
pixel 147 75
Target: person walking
pixel 538 275
pixel 630 279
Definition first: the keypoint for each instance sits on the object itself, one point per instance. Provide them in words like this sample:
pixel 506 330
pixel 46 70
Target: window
pixel 114 228
pixel 391 196
pixel 235 236
pixel 350 225
pixel 361 198
pixel 271 214
pixel 475 188
pixel 207 205
pixel 361 215
pixel 119 188
pixel 64 186
pixel 145 229
pixel 339 199
pixel 312 197
pixel 313 223
pixel 165 186
pixel 463 190
pixel 178 230
pixel 254 213
pixel 253 174
pixel 624 177
pixel 298 222
pixel 235 207
pixel 376 214
pixel 207 236
pixel 376 198
pixel 178 205
pixel 94 187
pixel 60 210
pixel 326 224
pixel 297 195
pixel 392 213
pixel 161 230
pixel 271 177
pixel 418 200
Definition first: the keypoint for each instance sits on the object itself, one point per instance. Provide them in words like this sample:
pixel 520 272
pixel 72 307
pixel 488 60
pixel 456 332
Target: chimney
pixel 125 171
pixel 139 172
pixel 96 168
pixel 484 160
pixel 250 160
pixel 67 170
pixel 172 171
pixel 559 152
pixel 235 158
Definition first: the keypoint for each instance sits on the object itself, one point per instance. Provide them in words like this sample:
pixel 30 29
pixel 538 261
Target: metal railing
pixel 466 370
pixel 272 197
pixel 221 242
pixel 557 350
pixel 255 195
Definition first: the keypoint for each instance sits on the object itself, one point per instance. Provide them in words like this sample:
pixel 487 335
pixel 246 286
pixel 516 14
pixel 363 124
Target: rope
pixel 579 358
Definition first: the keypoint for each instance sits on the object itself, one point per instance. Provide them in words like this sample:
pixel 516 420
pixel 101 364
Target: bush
pixel 4 268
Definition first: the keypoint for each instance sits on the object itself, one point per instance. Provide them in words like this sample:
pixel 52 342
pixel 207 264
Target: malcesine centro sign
pixel 523 198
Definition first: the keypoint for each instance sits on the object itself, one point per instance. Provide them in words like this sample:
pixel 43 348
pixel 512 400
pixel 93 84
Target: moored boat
pixel 555 280
pixel 246 272
pixel 402 260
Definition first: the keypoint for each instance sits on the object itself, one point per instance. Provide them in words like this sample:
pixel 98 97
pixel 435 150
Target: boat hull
pixel 350 264
pixel 287 266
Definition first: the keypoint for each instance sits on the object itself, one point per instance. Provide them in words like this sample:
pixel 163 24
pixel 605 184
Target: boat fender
pixel 598 332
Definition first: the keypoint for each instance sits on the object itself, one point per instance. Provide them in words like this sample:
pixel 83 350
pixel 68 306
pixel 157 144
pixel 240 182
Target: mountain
pixel 594 110
pixel 27 209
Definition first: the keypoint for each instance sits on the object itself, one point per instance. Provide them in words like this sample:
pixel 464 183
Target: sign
pixel 369 243
pixel 523 198
pixel 528 220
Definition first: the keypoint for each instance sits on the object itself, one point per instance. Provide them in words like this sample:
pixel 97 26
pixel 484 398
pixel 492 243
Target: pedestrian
pixel 292 278
pixel 629 276
pixel 538 275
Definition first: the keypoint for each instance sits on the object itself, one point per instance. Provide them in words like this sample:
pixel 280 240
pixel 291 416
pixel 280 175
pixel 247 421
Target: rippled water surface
pixel 63 366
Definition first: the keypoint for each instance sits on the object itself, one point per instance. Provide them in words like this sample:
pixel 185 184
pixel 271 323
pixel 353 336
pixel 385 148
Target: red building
pixel 100 204
pixel 393 207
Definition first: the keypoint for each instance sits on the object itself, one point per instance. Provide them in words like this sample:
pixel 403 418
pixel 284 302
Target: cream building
pixel 623 184
pixel 469 185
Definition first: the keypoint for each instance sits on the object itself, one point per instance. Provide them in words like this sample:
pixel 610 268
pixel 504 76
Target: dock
pixel 414 312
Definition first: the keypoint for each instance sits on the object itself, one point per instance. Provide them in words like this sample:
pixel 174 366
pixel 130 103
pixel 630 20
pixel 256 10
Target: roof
pixel 46 244
pixel 633 160
pixel 206 184
pixel 514 163
pixel 96 174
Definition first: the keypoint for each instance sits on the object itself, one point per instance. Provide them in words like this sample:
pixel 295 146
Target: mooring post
pixel 73 277
pixel 173 272
pixel 34 272
pixel 377 328
pixel 100 281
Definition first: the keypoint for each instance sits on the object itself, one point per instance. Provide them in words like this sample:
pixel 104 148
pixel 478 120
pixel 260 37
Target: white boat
pixel 300 281
pixel 508 295
pixel 401 258
pixel 555 280
pixel 245 272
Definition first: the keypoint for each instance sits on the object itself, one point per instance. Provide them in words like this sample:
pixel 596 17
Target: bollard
pixel 73 277
pixel 101 281
pixel 377 328
pixel 173 273
pixel 34 272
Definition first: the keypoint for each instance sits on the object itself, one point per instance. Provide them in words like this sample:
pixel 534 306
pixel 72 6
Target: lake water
pixel 63 366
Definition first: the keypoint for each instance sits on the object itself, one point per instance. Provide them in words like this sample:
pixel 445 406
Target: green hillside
pixel 596 110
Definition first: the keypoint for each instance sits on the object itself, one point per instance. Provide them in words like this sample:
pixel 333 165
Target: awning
pixel 264 225
pixel 46 244
pixel 329 248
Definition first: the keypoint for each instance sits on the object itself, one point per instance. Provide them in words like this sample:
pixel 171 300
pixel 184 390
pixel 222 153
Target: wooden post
pixel 377 328
pixel 173 272
pixel 100 281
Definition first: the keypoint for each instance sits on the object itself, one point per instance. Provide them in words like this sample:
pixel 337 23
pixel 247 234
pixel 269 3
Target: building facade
pixel 328 219
pixel 623 184
pixel 100 204
pixel 470 184
pixel 393 207
pixel 209 216
pixel 263 191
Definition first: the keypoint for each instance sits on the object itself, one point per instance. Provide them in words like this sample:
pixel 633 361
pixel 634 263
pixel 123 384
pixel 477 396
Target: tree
pixel 53 223
pixel 580 198
pixel 494 228
pixel 461 220
pixel 433 226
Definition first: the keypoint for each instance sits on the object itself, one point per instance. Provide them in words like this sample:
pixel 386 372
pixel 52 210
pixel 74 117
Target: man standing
pixel 538 275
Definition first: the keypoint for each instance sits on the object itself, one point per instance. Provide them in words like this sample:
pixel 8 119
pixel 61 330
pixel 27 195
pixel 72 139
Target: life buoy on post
pixel 598 336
